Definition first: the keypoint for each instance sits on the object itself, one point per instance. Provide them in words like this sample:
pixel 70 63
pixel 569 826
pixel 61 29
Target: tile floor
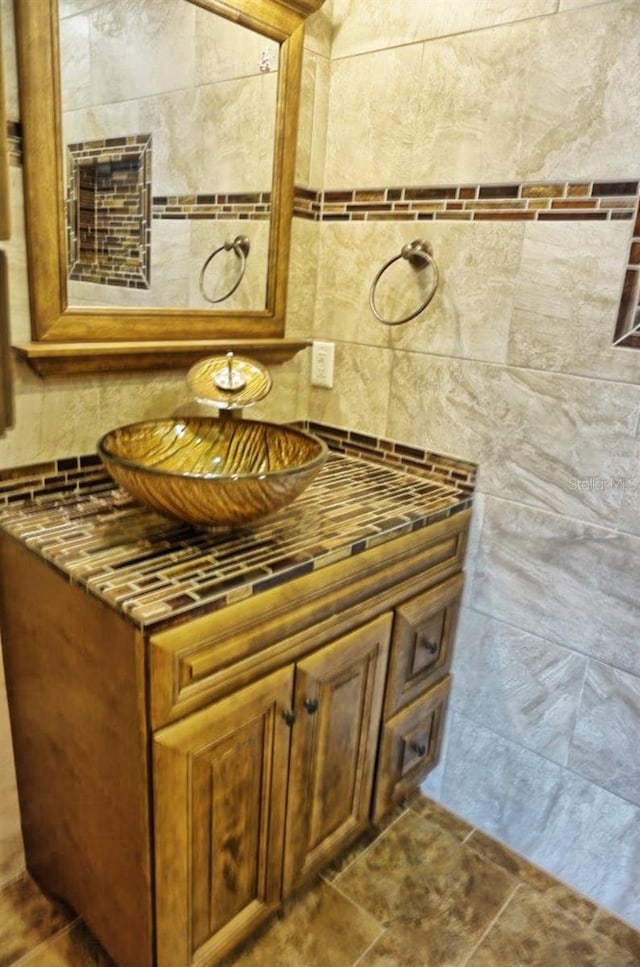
pixel 427 890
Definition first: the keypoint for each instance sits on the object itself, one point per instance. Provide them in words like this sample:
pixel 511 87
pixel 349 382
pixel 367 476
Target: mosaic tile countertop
pixel 155 571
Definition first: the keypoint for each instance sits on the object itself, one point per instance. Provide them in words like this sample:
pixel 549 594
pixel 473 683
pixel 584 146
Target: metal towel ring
pixel 419 254
pixel 240 245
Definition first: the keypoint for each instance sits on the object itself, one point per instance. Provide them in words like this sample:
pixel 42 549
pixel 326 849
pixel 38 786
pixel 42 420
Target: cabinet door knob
pixel 311 705
pixel 289 716
pixel 418 748
pixel 431 646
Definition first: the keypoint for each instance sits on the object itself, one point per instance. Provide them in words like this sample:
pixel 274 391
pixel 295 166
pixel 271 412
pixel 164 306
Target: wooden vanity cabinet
pixel 198 774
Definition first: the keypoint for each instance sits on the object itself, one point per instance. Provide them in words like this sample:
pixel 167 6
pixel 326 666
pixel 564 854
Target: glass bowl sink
pixel 211 471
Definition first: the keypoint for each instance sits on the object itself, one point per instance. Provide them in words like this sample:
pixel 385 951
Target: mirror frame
pixel 80 339
pixel 5 218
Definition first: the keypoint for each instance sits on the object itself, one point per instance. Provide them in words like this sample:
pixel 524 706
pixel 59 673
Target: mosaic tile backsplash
pixel 154 570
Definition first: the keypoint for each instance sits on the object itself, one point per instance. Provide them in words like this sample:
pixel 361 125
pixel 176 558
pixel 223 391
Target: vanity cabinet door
pixel 338 704
pixel 410 747
pixel 220 779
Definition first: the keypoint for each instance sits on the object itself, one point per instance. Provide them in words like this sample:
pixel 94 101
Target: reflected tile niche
pixel 109 211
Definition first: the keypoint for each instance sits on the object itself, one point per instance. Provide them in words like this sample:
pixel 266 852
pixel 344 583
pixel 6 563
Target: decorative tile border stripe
pixel 449 470
pixel 241 205
pixel 254 205
pixel 525 201
pixel 307 203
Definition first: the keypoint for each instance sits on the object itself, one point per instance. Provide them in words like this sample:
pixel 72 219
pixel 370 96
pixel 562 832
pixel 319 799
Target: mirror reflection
pixel 168 124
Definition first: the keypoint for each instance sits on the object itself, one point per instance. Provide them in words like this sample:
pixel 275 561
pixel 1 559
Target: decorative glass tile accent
pixel 108 211
pixel 599 200
pixel 153 570
pixel 247 205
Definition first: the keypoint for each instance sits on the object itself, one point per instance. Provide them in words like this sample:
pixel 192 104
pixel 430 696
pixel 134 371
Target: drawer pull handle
pixel 311 705
pixel 431 646
pixel 289 716
pixel 418 748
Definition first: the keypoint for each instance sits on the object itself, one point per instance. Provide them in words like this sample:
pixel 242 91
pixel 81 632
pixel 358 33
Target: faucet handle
pixel 228 378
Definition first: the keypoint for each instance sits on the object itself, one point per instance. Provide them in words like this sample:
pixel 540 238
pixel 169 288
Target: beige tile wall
pixel 511 366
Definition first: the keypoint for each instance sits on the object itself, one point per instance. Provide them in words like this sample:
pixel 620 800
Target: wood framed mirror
pixel 5 225
pixel 72 335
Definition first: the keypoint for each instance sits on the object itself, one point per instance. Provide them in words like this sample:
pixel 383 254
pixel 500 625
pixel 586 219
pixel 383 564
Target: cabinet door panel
pixel 220 786
pixel 226 839
pixel 338 702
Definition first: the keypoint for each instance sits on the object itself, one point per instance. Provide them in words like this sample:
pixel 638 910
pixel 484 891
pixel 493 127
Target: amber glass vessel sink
pixel 211 471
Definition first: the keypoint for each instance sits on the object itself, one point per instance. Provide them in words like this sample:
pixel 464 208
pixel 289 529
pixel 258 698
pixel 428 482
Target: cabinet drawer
pixel 206 658
pixel 410 747
pixel 423 634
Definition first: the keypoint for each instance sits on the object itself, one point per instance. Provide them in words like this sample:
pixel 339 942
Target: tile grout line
pixel 365 850
pixel 369 948
pixel 384 929
pixel 490 926
pixel 334 885
pixel 64 931
pixel 362 910
pixel 589 923
pixel 553 762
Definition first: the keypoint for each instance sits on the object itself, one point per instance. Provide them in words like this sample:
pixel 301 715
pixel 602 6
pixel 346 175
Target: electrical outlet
pixel 322 355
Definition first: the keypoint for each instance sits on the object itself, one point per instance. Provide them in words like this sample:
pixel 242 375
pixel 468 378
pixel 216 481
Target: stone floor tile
pixel 574 903
pixel 406 946
pixel 427 890
pixel 419 880
pixel 27 918
pixel 621 933
pixel 437 814
pixel 316 928
pixel 534 932
pixel 362 843
pixel 74 947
